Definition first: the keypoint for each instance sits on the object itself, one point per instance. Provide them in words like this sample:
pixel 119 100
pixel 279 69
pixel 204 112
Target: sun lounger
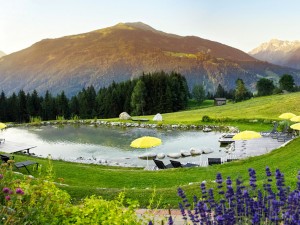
pixel 177 164
pixel 161 165
pixel 270 132
pixel 24 164
pixel 6 157
pixel 212 161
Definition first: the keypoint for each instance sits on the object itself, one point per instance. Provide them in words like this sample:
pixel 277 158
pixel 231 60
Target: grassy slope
pixel 108 181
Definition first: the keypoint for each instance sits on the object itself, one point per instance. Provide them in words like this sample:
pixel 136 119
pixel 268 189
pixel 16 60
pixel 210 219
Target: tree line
pixel 149 94
pixel 264 87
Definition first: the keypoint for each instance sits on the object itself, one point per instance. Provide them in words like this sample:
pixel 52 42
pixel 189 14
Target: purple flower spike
pixel 170 220
pixel 1 176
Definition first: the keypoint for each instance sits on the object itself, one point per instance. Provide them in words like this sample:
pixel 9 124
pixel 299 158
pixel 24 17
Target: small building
pixel 220 101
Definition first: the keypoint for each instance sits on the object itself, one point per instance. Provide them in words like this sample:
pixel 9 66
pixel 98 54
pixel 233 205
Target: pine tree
pixel 138 98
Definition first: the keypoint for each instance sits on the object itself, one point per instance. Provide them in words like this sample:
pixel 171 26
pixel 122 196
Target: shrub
pixel 244 205
pixel 28 200
pixel 206 119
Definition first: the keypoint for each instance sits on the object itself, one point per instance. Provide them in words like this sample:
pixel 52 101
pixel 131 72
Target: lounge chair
pixel 270 132
pixel 24 164
pixel 284 131
pixel 6 157
pixel 177 164
pixel 212 161
pixel 161 165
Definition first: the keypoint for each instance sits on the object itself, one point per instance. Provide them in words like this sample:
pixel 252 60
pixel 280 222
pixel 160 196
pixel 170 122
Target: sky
pixel 237 23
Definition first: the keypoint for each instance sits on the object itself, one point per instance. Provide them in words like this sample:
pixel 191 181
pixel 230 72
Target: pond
pixel 110 145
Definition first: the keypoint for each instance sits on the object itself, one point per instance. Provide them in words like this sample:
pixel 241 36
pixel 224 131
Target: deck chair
pixel 6 157
pixel 212 161
pixel 160 164
pixel 24 164
pixel 270 132
pixel 284 131
pixel 177 164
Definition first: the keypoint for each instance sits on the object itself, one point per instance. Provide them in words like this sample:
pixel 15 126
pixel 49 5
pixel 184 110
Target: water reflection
pixel 110 144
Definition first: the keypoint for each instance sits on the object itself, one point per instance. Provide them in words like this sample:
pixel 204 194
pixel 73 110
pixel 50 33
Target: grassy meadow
pixel 82 180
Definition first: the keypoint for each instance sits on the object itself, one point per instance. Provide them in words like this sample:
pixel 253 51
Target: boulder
pixel 161 155
pixel 157 117
pixel 148 156
pixel 195 151
pixel 124 116
pixel 174 155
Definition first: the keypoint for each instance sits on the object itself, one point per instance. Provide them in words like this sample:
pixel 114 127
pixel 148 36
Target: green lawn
pixel 84 180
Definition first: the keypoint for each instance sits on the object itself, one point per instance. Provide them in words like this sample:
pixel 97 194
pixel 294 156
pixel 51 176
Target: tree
pixel 241 92
pixel 264 87
pixel 138 102
pixel 286 82
pixel 198 93
pixel 22 103
pixel 220 93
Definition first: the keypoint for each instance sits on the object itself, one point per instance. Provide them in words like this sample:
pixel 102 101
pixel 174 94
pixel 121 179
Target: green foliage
pixel 286 82
pixel 220 93
pixel 36 119
pixel 198 93
pixel 206 118
pixel 28 200
pixel 138 98
pixel 264 87
pixel 241 92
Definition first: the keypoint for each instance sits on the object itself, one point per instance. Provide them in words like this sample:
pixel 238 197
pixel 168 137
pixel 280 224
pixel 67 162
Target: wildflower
pixel 1 176
pixel 6 190
pixel 170 220
pixel 7 198
pixel 19 191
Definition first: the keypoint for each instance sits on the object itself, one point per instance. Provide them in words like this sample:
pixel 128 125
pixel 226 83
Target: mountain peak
pixel 2 54
pixel 280 52
pixel 140 25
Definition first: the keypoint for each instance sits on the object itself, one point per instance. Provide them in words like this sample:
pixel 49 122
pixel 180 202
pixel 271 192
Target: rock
pixel 148 156
pixel 124 116
pixel 185 153
pixel 161 155
pixel 207 151
pixel 174 155
pixel 207 129
pixel 195 151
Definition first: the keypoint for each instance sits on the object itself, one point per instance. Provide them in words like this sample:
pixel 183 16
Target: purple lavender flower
pixel 1 176
pixel 170 220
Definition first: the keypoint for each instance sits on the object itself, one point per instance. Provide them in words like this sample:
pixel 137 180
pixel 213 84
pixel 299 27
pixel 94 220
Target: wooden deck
pixel 13 147
pixel 255 147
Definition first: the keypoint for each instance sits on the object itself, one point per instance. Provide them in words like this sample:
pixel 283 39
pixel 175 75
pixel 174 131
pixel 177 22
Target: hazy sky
pixel 242 24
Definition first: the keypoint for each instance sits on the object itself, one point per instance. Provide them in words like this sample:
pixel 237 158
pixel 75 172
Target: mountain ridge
pixel 126 51
pixel 2 54
pixel 283 53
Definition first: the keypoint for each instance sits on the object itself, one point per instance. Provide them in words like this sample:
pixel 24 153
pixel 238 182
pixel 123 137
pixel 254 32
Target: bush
pixel 244 205
pixel 27 200
pixel 206 119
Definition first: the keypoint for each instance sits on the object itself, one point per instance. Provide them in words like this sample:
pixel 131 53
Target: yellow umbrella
pixel 145 142
pixel 2 126
pixel 246 135
pixel 295 126
pixel 296 119
pixel 287 116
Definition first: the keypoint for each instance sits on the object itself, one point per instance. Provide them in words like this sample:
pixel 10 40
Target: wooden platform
pixel 13 147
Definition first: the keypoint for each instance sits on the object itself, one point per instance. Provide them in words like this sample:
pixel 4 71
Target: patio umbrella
pixel 295 119
pixel 146 142
pixel 246 135
pixel 295 126
pixel 287 116
pixel 2 126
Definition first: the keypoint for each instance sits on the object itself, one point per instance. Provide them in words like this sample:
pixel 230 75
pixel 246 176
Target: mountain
pixel 123 52
pixel 284 53
pixel 2 54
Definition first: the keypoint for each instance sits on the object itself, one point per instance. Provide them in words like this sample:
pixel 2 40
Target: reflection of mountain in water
pixel 116 137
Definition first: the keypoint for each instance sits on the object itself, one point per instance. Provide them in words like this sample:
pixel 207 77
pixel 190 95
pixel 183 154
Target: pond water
pixel 111 145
